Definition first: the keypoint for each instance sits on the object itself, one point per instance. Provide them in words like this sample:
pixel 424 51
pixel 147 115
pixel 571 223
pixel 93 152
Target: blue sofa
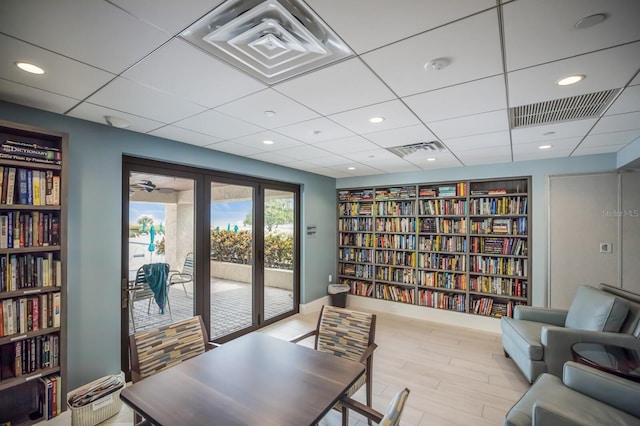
pixel 539 340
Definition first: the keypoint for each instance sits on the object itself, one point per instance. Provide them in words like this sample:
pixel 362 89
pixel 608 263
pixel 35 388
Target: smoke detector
pixel 272 40
pixel 426 147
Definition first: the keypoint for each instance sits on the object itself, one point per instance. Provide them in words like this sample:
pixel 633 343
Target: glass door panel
pixel 161 232
pixel 232 264
pixel 279 250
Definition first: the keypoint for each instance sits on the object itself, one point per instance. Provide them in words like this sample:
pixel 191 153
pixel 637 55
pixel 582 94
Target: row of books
pixel 29 229
pixel 29 271
pixel 503 205
pixel 516 226
pixel 498 266
pixel 356 240
pixel 398 275
pixel 354 270
pixel 355 209
pixel 441 300
pixel 394 208
pixel 482 306
pixel 396 241
pixel 447 262
pixel 506 246
pixel 396 258
pixel 359 288
pixel 499 286
pixel 355 255
pixel 356 195
pixel 440 225
pixel 29 150
pixel 356 224
pixel 396 192
pixel 396 224
pixel 29 355
pixel 445 243
pixel 443 207
pixel 29 187
pixel 50 397
pixel 397 294
pixel 24 314
pixel 446 280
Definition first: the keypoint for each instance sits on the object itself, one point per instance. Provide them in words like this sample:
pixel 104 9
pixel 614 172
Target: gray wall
pixel 95 173
pixel 538 170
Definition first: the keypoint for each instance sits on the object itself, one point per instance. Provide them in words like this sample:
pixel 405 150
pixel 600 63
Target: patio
pixel 230 307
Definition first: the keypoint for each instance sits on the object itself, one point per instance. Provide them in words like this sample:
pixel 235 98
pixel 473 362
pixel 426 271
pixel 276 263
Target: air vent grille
pixel 573 108
pixel 405 150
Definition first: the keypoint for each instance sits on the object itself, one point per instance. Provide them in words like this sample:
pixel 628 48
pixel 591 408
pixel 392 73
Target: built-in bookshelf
pixel 32 274
pixel 461 246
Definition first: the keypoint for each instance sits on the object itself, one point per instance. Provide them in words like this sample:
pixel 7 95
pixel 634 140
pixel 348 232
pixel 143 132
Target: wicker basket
pixel 98 410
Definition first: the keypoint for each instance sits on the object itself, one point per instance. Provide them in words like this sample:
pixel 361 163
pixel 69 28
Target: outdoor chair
pixel 161 348
pixel 142 291
pixel 390 418
pixel 184 276
pixel 348 334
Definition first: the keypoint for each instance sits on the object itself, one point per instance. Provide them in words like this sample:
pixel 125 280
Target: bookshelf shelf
pixel 33 190
pixel 461 246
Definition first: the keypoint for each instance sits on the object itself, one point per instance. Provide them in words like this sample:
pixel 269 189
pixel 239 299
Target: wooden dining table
pixel 253 380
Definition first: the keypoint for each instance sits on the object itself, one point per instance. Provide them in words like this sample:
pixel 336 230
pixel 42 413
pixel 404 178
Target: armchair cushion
pixel 529 333
pixel 593 309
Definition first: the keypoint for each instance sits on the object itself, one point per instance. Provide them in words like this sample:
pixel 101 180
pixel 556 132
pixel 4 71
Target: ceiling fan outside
pixel 148 186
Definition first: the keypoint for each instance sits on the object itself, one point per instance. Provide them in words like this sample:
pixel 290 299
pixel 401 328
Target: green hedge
pixel 235 247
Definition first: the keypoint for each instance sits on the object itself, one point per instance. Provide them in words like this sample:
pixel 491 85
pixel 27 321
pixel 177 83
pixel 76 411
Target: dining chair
pixel 348 334
pixel 390 418
pixel 142 291
pixel 155 350
pixel 185 275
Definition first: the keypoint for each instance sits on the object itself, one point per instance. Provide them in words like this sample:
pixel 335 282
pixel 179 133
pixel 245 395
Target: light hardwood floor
pixel 457 376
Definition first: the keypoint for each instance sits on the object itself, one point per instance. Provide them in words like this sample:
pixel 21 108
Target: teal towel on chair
pixel 156 275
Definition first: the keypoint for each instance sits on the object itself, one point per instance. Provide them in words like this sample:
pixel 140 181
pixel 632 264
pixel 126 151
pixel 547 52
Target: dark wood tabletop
pixel 623 362
pixel 253 380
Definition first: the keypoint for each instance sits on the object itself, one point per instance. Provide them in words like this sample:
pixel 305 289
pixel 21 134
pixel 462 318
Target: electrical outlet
pixel 330 277
pixel 605 247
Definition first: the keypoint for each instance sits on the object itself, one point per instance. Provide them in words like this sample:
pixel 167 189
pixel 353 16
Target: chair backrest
pixel 142 291
pixel 631 324
pixel 344 332
pixel 187 267
pixel 155 350
pixel 394 411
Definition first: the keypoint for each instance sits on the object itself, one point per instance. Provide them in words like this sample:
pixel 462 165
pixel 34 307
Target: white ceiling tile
pixel 314 131
pixel 401 136
pixel 537 84
pixel 487 122
pixel 395 115
pixel 559 148
pixel 628 101
pixel 169 15
pixel 635 81
pixel 62 75
pixel 253 108
pixel 396 166
pixel 550 132
pixel 219 125
pixel 325 171
pixel 35 98
pixel 485 156
pixel 592 150
pixel 306 153
pixel 331 161
pixel 97 114
pixel 371 155
pixel 361 170
pixel 540 154
pixel 555 34
pixel 179 69
pixel 476 142
pixel 277 157
pixel 617 123
pixel 367 24
pixel 94 32
pixel 234 148
pixel 302 165
pixel 471 45
pixel 442 159
pixel 183 135
pixel 280 142
pixel 346 85
pixel 464 99
pixel 126 96
pixel 346 145
pixel 615 138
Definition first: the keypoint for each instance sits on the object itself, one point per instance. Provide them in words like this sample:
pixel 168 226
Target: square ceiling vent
pixel 409 150
pixel 272 40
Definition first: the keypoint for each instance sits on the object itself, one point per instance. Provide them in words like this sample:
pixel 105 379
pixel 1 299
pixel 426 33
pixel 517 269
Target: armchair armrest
pixel 557 342
pixel 545 414
pixel 361 409
pixel 612 390
pixel 366 354
pixel 308 334
pixel 545 315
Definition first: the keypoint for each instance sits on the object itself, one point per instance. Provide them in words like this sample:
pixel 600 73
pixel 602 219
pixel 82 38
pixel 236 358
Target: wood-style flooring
pixel 457 376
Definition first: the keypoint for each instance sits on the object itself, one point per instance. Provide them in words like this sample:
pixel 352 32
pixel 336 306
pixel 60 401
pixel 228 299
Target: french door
pixel 230 244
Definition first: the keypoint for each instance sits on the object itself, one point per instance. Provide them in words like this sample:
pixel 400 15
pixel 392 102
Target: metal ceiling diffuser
pixel 579 107
pixel 405 150
pixel 272 40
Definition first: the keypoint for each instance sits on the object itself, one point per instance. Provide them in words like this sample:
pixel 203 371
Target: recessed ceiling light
pixel 317 132
pixel 269 113
pixel 436 64
pixel 30 68
pixel 376 120
pixel 118 122
pixel 572 79
pixel 545 146
pixel 591 20
pixel 431 159
pixel 267 142
pixel 351 168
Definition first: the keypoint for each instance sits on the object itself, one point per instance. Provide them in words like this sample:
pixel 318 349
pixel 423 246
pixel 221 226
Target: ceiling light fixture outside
pixel 376 120
pixel 272 40
pixel 351 168
pixel 269 113
pixel 591 20
pixel 571 79
pixel 431 159
pixel 30 68
pixel 437 64
pixel 545 146
pixel 267 142
pixel 118 122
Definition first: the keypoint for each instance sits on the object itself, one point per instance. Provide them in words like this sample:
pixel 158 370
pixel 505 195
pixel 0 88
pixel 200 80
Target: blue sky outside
pixel 222 214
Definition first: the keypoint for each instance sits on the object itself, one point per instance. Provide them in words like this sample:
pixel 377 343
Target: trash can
pixel 338 294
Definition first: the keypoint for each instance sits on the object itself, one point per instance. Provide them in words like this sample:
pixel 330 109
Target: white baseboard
pixel 64 419
pixel 459 319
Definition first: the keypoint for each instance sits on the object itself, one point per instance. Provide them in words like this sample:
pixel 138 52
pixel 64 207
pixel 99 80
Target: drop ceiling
pixel 128 60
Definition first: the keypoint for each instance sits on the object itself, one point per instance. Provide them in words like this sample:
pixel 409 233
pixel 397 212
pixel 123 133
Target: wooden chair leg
pixel 345 416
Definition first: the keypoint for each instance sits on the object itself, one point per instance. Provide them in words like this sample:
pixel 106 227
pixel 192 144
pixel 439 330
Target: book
pixel 56 310
pixel 5 180
pixel 11 181
pixel 22 186
pixel 36 188
pixel 4 232
pixel 31 151
pixel 55 191
pixel 43 311
pixel 48 187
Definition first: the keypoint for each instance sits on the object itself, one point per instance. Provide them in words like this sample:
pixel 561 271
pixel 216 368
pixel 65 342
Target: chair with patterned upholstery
pixel 390 418
pixel 158 349
pixel 348 334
